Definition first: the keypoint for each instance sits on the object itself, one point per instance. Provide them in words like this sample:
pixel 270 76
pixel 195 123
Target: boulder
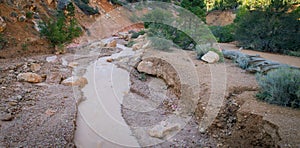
pixel 112 44
pixel 210 57
pixel 35 67
pixel 75 81
pixel 147 67
pixel 29 77
pixel 2 24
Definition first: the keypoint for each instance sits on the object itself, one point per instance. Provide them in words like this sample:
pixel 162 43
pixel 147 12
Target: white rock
pixel 51 59
pixel 29 77
pixel 163 129
pixel 210 57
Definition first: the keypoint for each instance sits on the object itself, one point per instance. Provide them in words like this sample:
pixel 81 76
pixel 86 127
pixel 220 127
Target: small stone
pixel 73 64
pixel 219 125
pixel 12 103
pixel 163 129
pixel 50 112
pixel 29 77
pixel 112 44
pixel 35 67
pixel 6 117
pixel 136 47
pixel 202 130
pixel 51 59
pixel 75 81
pixel 110 60
pixel 22 18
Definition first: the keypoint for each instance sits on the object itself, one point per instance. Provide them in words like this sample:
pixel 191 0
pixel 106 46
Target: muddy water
pixel 99 121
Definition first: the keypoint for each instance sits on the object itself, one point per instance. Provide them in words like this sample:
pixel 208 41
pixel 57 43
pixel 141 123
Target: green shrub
pixel 3 41
pixel 130 44
pixel 60 31
pixel 270 30
pixel 137 34
pixel 223 34
pixel 29 15
pixel 281 87
pixel 160 43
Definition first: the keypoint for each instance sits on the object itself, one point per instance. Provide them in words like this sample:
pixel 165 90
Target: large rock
pixel 164 129
pixel 75 81
pixel 2 24
pixel 112 44
pixel 62 4
pixel 29 77
pixel 146 67
pixel 210 57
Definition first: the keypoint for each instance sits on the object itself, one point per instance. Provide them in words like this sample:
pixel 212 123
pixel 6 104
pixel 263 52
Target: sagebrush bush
pixel 160 43
pixel 281 87
pixel 243 61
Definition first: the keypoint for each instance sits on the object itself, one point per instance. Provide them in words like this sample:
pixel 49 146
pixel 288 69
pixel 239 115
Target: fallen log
pixel 253 63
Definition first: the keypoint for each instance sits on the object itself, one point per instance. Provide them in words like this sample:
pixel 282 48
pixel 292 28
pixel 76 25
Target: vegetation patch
pixel 281 87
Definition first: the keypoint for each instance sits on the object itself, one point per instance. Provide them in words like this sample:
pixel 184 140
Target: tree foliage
pixel 61 30
pixel 271 30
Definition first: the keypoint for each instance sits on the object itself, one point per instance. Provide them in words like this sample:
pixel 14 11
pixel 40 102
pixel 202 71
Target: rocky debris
pixel 75 81
pixel 29 77
pixel 54 77
pixel 51 59
pixel 112 44
pixel 163 129
pixel 210 57
pixel 2 24
pixel 161 69
pixel 35 67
